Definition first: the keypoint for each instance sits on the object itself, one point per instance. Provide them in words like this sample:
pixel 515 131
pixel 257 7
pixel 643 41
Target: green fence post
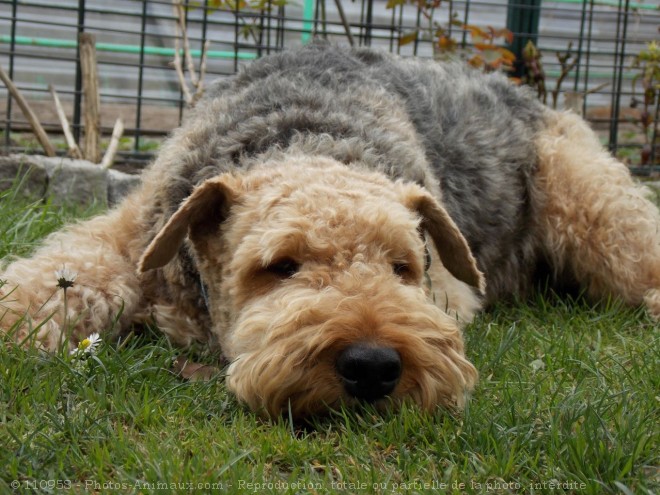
pixel 308 21
pixel 523 20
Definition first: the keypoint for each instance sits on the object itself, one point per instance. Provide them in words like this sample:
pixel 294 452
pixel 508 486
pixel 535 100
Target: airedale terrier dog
pixel 331 219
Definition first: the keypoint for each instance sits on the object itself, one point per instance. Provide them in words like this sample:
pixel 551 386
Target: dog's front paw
pixel 652 302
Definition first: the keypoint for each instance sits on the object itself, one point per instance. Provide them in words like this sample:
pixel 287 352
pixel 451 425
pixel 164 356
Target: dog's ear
pixel 452 247
pixel 198 216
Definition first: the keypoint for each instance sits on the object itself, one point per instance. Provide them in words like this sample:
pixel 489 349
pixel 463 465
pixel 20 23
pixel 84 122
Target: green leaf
pixel 408 38
pixel 394 3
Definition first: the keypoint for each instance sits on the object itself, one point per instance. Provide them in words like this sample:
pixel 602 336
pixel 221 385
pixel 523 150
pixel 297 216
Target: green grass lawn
pixel 567 402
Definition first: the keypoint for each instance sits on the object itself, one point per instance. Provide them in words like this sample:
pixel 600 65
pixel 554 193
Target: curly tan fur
pixel 294 215
pixel 596 223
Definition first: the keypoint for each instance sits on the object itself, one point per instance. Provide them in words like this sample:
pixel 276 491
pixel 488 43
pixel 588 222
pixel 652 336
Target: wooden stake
pixel 39 132
pixel 110 153
pixel 90 80
pixel 74 151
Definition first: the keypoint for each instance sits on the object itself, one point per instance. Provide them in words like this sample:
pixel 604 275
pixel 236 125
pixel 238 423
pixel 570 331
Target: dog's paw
pixel 652 302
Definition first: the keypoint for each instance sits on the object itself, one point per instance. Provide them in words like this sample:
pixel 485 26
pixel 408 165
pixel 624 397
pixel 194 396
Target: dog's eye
pixel 283 268
pixel 401 269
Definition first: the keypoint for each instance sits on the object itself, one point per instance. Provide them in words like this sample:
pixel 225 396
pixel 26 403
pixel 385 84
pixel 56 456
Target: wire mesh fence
pixel 584 55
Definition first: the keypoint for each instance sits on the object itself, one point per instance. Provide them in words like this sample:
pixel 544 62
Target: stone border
pixel 84 183
pixel 65 180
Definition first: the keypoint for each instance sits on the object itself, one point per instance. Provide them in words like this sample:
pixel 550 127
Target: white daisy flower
pixel 88 345
pixel 65 277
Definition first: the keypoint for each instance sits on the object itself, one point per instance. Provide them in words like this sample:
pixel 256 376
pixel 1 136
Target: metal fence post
pixel 78 93
pixel 523 20
pixel 617 76
pixel 140 84
pixel 12 54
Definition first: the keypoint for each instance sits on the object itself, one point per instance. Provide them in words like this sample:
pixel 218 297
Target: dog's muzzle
pixel 369 373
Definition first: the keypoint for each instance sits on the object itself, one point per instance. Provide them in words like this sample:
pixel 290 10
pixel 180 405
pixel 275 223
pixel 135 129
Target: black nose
pixel 369 373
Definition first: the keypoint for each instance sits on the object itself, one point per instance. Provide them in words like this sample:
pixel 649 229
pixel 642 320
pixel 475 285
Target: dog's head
pixel 315 280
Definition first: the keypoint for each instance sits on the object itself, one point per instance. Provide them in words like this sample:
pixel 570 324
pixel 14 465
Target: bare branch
pixel 186 48
pixel 179 71
pixel 344 21
pixel 181 35
pixel 199 89
pixel 110 153
pixel 74 151
pixel 38 130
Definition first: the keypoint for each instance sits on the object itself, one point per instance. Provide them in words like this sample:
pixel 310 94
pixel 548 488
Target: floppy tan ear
pixel 200 214
pixel 450 243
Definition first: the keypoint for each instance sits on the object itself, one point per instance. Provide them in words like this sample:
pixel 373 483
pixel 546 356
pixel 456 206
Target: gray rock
pixel 67 181
pixel 25 171
pixel 75 181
